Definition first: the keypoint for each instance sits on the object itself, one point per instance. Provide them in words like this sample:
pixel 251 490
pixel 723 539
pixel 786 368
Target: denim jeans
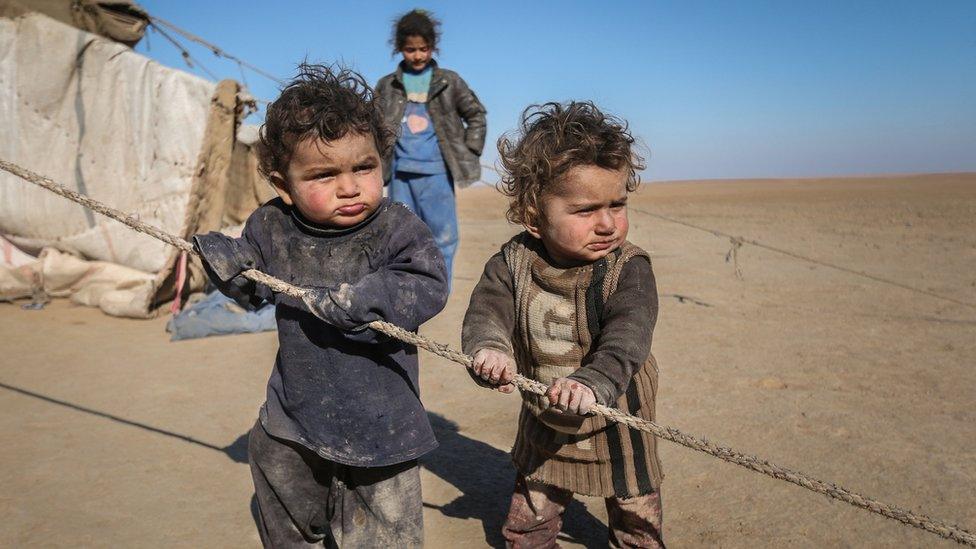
pixel 431 197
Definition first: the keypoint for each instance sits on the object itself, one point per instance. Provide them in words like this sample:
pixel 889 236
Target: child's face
pixel 334 183
pixel 585 217
pixel 416 52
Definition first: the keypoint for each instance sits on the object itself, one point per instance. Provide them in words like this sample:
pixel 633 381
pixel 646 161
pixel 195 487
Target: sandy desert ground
pixel 115 437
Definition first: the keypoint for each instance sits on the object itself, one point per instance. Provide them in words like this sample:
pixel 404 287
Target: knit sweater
pixel 591 323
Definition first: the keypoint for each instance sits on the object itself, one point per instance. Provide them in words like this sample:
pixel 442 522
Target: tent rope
pixel 938 527
pixel 737 242
pixel 187 58
pixel 157 22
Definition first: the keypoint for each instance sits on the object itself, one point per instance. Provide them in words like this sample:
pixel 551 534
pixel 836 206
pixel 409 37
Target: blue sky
pixel 713 89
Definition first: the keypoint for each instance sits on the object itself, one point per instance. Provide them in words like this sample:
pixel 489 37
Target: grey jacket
pixel 457 114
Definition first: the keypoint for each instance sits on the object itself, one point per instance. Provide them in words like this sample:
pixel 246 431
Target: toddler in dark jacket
pixel 334 451
pixel 572 303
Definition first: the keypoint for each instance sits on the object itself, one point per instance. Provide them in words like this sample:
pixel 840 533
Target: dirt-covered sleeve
pixel 224 258
pixel 625 333
pixel 489 322
pixel 407 290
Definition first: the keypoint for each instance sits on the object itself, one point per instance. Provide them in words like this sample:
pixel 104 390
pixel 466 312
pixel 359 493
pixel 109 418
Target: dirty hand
pixel 496 368
pixel 571 396
pixel 323 303
pixel 223 257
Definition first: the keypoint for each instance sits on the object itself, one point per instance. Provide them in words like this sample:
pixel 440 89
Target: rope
pixel 250 102
pixel 753 463
pixel 157 22
pixel 187 58
pixel 738 241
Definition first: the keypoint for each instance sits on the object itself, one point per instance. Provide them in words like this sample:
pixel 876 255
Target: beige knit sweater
pixel 592 323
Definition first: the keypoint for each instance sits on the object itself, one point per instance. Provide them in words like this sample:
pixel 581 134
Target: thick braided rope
pixel 96 206
pixel 753 463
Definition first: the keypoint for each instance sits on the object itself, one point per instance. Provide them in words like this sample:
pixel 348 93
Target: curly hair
pixel 416 22
pixel 552 139
pixel 320 102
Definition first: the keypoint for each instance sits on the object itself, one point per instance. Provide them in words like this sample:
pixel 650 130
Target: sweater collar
pixel 432 65
pixel 318 229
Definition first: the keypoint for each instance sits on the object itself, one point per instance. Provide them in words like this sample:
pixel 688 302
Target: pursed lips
pixel 351 209
pixel 601 245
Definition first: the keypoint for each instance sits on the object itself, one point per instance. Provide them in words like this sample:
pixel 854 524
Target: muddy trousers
pixel 305 501
pixel 536 517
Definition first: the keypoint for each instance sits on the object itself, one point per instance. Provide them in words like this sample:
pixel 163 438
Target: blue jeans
pixel 431 197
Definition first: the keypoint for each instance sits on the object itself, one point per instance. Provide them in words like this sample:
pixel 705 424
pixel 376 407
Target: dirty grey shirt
pixel 626 325
pixel 346 392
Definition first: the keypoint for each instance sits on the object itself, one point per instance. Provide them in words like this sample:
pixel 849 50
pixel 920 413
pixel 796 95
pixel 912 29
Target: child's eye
pixel 364 168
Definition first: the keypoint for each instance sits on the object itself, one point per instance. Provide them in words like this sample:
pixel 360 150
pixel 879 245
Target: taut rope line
pixel 157 22
pixel 753 463
pixel 736 242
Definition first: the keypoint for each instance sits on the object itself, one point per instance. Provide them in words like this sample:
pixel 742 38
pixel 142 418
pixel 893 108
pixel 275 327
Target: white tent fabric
pixel 114 125
pixel 115 289
pixel 99 118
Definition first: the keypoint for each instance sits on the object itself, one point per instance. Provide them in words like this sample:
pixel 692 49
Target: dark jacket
pixel 457 114
pixel 344 391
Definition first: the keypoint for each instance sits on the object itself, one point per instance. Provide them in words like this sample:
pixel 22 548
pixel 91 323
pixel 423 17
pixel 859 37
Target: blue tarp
pixel 217 314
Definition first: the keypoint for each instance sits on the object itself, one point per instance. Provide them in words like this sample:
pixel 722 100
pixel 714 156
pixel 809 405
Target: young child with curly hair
pixel 571 303
pixel 442 130
pixel 334 452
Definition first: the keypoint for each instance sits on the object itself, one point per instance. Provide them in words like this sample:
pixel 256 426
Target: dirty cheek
pixel 320 196
pixel 580 232
pixel 623 224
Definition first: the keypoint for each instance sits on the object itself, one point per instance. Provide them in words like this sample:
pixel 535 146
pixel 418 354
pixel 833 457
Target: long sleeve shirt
pixel 337 387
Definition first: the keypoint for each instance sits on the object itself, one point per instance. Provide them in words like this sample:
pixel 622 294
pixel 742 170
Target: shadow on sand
pixel 485 477
pixel 482 473
pixel 237 450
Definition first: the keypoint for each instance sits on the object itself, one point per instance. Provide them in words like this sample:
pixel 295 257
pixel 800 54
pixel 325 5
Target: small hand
pixel 223 257
pixel 322 303
pixel 571 396
pixel 496 368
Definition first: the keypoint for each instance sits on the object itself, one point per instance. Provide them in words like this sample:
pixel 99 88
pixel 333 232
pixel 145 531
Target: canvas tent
pixel 95 116
pixel 120 20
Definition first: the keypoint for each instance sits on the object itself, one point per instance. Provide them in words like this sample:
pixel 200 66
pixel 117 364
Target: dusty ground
pixel 113 436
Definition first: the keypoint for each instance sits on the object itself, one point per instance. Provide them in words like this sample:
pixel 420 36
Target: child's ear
pixel 531 223
pixel 281 187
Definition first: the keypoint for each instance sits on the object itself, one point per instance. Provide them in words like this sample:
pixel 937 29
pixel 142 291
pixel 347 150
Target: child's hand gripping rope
pixel 569 395
pixel 496 370
pixel 332 306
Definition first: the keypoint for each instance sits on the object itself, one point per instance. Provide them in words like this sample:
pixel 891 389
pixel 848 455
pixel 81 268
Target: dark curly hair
pixel 416 22
pixel 554 138
pixel 325 102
